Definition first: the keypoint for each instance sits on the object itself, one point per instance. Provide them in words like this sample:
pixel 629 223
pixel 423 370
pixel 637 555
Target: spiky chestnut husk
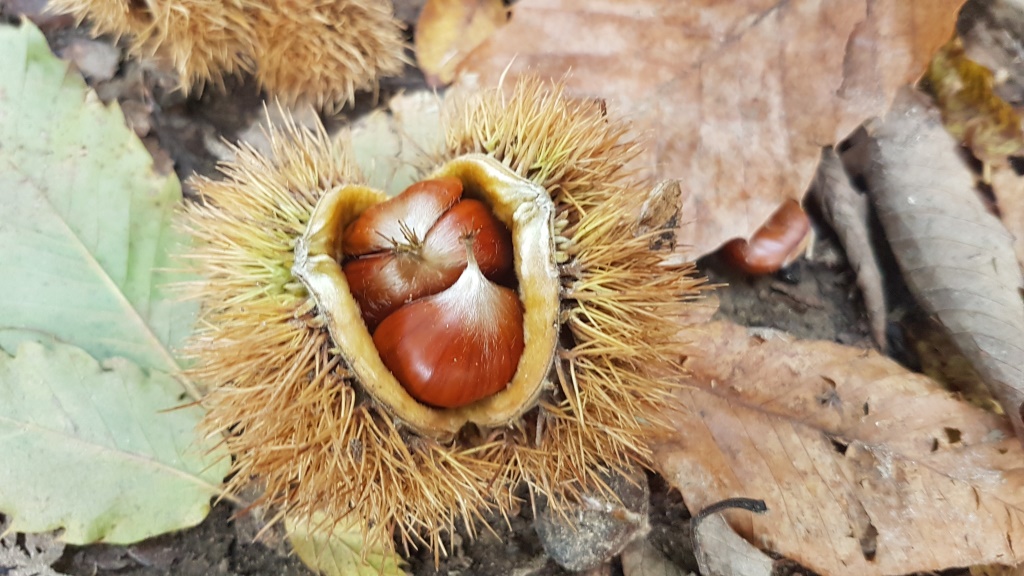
pixel 297 415
pixel 317 52
pixel 203 39
pixel 326 50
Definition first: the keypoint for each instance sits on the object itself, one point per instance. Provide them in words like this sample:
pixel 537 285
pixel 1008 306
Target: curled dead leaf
pixel 722 552
pixel 965 93
pixel 597 528
pixel 660 211
pixel 641 558
pixel 30 554
pixel 991 31
pixel 847 212
pixel 956 257
pixel 853 455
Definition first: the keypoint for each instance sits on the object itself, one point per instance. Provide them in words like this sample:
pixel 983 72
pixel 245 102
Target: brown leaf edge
pixel 865 467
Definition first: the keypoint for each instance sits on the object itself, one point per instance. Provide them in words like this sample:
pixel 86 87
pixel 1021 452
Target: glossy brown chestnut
pixel 492 241
pixel 422 267
pixel 774 244
pixel 383 281
pixel 406 217
pixel 456 347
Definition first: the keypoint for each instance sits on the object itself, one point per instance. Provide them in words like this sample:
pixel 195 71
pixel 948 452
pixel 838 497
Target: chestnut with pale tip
pixel 456 347
pixel 406 217
pixel 430 256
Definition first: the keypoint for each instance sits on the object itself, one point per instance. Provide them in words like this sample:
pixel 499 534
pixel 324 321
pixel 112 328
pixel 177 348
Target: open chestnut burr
pixel 411 361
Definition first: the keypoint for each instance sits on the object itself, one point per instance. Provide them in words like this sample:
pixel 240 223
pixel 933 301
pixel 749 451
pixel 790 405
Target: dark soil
pixel 811 299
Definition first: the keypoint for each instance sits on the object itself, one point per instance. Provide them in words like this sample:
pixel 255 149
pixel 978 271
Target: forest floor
pixel 812 298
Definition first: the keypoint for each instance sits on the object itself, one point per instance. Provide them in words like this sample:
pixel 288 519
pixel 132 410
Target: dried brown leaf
pixel 96 60
pixel 448 30
pixel 847 212
pixel 737 97
pixel 865 467
pixel 971 110
pixel 394 147
pixel 997 570
pixel 722 552
pixel 993 35
pixel 590 533
pixel 939 358
pixel 660 211
pixel 28 554
pixel 956 257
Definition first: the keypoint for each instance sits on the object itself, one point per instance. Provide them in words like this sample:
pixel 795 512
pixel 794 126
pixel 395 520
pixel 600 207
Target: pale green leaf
pixel 339 551
pixel 104 452
pixel 85 222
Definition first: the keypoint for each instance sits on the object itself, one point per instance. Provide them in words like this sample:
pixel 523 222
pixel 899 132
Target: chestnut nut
pixel 433 276
pixel 363 254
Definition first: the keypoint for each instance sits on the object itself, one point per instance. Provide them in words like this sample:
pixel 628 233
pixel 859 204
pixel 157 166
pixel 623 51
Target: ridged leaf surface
pixel 94 436
pixel 103 451
pixel 85 222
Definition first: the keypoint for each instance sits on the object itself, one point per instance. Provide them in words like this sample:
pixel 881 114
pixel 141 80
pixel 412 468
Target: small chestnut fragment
pixel 774 245
pixel 456 347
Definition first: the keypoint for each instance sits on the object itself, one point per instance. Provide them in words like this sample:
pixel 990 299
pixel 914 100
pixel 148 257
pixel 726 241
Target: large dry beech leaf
pixel 865 467
pixel 737 97
pixel 956 257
